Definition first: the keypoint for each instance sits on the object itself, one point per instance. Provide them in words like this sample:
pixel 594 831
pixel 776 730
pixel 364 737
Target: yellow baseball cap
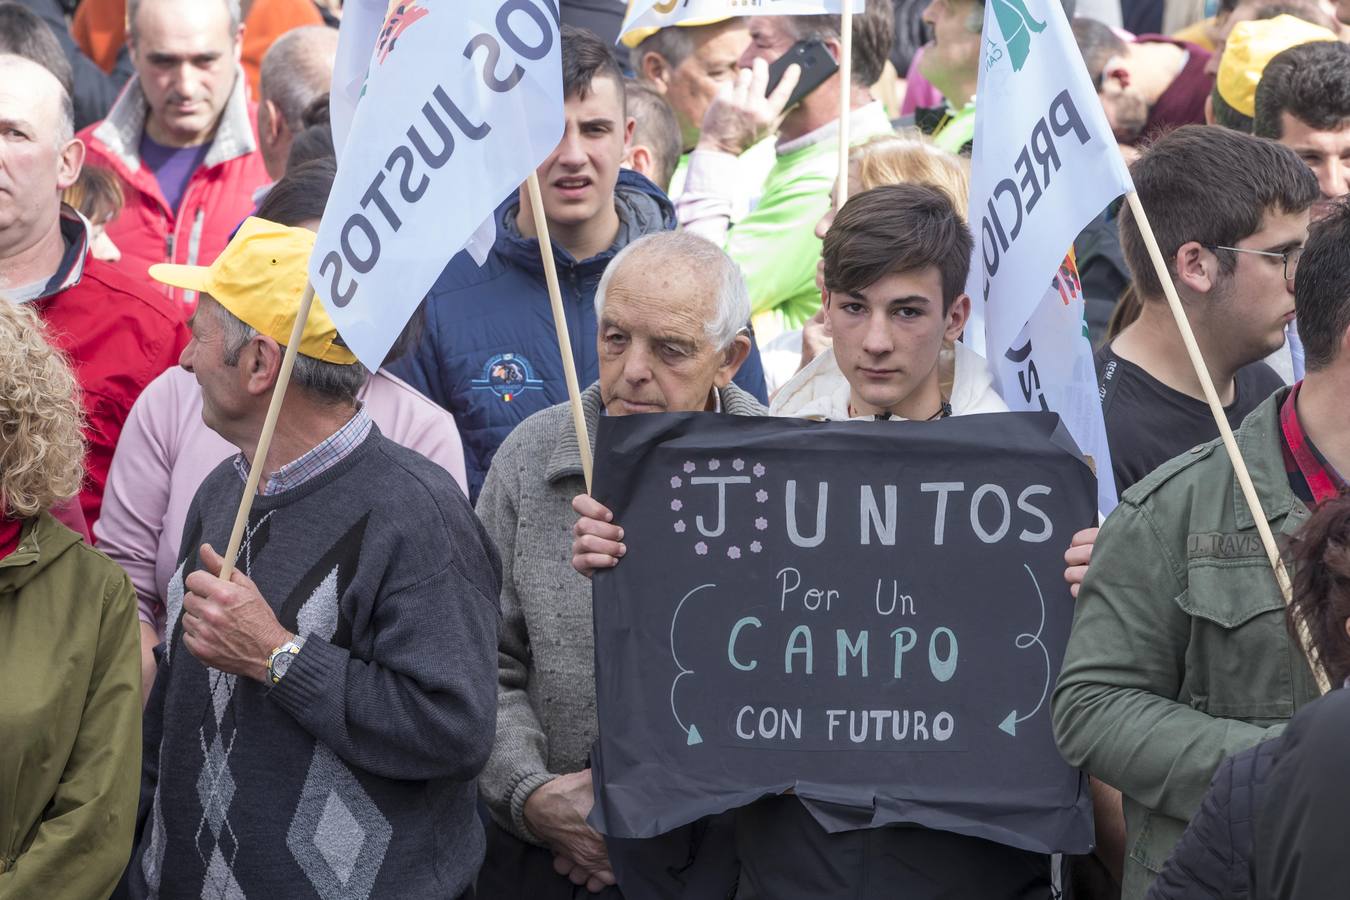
pixel 1250 46
pixel 631 39
pixel 260 277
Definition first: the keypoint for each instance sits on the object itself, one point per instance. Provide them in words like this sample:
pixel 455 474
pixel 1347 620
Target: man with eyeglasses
pixel 1231 215
pixel 1179 654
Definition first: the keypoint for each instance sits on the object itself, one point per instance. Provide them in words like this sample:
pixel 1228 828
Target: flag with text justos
pixel 644 14
pixel 440 111
pixel 1044 165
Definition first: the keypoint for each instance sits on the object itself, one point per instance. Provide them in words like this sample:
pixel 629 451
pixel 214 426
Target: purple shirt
pixel 173 166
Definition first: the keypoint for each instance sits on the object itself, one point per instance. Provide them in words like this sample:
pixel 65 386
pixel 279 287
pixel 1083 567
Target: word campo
pixel 429 147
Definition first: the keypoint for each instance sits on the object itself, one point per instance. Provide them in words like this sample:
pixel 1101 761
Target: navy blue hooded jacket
pixel 489 351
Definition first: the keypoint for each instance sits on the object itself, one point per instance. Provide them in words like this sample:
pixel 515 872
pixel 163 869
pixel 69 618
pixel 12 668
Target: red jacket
pixel 119 337
pixel 218 197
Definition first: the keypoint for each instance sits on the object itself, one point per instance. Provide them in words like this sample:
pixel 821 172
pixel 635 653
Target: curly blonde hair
pixel 41 450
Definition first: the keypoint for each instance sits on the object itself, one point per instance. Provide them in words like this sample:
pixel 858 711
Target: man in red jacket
pixel 181 137
pixel 118 334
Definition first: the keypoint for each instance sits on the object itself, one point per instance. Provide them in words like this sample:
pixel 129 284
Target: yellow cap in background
pixel 632 38
pixel 260 278
pixel 1250 46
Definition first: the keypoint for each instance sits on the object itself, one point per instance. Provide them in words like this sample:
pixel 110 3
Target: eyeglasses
pixel 1289 257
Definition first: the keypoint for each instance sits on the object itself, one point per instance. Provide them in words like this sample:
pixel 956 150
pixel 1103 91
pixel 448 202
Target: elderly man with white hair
pixel 672 311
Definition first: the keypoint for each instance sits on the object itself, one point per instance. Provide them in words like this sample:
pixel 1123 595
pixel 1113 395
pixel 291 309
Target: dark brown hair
pixel 1322 585
pixel 873 34
pixel 585 57
pixel 1311 82
pixel 1321 293
pixel 897 228
pixel 1212 186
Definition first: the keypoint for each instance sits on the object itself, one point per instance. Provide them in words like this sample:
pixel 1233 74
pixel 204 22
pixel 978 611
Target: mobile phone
pixel 816 63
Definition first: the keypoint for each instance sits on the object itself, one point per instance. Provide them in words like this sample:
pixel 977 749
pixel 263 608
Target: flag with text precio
pixel 1044 165
pixel 441 111
pixel 653 14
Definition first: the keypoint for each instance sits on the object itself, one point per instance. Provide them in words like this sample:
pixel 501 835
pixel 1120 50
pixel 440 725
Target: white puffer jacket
pixel 820 390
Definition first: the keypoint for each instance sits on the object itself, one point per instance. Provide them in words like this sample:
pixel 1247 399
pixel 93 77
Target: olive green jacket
pixel 70 717
pixel 1179 655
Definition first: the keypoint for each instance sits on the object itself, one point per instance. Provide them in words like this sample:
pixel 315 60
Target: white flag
pixel 660 13
pixel 1044 165
pixel 450 108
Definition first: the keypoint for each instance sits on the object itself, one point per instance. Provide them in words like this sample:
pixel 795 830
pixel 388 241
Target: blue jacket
pixel 489 351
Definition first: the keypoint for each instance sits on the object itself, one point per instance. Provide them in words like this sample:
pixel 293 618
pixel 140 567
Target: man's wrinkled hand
pixel 596 540
pixel 556 813
pixel 740 115
pixel 227 624
pixel 1077 558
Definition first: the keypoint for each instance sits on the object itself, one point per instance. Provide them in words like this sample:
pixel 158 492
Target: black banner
pixel 870 614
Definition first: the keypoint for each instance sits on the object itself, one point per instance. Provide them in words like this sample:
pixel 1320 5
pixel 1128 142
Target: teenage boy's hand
pixel 740 115
pixel 1078 556
pixel 596 539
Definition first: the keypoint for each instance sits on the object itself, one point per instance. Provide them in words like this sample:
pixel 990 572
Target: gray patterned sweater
pixel 353 777
pixel 546 659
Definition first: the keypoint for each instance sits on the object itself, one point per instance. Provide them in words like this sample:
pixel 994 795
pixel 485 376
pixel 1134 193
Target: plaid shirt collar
pixel 1312 478
pixel 324 456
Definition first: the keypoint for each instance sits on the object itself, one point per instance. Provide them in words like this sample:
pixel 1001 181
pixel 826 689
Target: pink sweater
pixel 166 451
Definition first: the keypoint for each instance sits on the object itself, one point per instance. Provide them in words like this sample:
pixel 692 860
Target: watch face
pixel 281 664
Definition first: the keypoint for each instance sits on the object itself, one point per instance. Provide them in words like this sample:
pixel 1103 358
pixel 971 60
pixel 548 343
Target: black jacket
pixel 1212 858
pixel 786 855
pixel 1299 837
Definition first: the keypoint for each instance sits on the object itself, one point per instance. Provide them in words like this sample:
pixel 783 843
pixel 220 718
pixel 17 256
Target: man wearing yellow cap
pixel 1249 48
pixel 323 714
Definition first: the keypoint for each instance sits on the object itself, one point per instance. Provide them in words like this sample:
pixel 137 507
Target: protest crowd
pixel 416 666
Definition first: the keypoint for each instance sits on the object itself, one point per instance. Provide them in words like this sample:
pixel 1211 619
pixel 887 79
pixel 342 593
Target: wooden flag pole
pixel 255 470
pixel 560 324
pixel 1244 477
pixel 845 99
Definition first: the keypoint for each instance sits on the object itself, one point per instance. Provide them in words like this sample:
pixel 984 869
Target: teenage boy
pixel 489 352
pixel 1179 654
pixel 896 260
pixel 1230 213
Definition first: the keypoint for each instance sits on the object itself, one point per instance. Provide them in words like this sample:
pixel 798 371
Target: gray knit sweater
pixel 354 776
pixel 546 653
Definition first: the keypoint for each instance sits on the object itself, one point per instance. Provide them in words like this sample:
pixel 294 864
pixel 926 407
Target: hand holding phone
pixel 816 64
pixel 746 111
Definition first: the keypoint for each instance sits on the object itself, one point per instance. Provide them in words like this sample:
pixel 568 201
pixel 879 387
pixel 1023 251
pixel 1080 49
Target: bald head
pixel 31 92
pixel 233 12
pixel 297 69
pixel 672 310
pixel 39 158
